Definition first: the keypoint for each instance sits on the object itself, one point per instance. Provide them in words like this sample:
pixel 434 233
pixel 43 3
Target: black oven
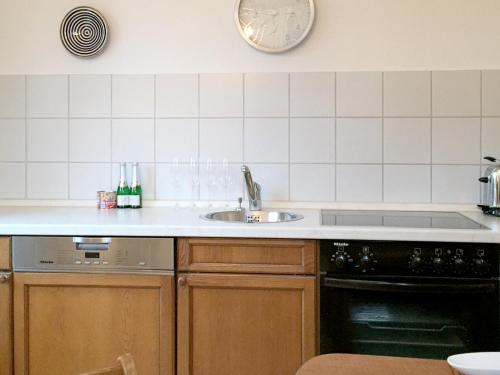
pixel 427 300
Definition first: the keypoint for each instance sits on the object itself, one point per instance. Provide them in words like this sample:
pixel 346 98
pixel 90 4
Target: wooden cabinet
pixel 71 323
pixel 6 351
pixel 242 255
pixel 5 253
pixel 236 323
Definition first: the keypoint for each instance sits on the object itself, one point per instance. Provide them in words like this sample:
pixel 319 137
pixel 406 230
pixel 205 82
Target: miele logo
pixel 340 244
pixel 46 261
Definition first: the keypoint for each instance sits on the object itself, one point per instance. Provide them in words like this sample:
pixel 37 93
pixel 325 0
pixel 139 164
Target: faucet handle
pixel 240 201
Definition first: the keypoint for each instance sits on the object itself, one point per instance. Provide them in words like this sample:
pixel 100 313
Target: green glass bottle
pixel 123 191
pixel 135 199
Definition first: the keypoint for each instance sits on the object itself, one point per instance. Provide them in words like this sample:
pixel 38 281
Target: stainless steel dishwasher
pixel 80 302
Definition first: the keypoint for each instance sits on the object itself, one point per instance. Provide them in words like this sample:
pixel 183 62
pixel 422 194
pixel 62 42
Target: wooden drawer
pixel 243 255
pixel 5 262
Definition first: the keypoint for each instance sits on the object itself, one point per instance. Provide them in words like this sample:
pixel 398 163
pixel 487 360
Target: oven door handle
pixel 402 287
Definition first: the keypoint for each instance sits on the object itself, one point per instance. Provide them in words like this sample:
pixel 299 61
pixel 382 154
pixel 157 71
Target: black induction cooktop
pixel 403 219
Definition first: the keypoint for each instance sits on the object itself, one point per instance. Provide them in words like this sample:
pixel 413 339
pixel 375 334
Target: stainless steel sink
pixel 245 216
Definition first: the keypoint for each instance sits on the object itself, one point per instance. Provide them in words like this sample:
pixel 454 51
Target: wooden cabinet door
pixel 6 323
pixel 245 325
pixel 72 323
pixel 247 255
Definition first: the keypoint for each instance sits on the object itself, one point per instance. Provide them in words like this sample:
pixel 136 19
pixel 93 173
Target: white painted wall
pixel 155 36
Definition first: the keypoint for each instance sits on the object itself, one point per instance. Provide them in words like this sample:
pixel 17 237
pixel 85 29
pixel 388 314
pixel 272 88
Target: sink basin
pixel 252 216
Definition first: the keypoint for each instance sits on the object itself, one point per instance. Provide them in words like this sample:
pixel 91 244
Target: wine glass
pixel 195 180
pixel 226 179
pixel 176 180
pixel 210 183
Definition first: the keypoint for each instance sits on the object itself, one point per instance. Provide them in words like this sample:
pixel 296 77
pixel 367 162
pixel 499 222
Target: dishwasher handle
pixel 92 243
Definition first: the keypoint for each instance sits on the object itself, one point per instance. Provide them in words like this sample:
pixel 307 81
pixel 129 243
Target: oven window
pixel 407 324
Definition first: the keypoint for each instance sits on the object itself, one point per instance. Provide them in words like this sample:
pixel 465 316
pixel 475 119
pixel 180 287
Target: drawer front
pixel 5 262
pixel 247 255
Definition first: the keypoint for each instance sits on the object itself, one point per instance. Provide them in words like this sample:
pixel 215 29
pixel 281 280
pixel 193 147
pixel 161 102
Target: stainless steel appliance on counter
pixel 490 199
pixel 93 299
pixel 415 299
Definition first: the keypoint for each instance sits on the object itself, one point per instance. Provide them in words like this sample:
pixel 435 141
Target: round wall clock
pixel 84 31
pixel 274 25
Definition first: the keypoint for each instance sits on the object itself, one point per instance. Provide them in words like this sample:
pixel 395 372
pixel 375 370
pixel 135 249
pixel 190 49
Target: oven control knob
pixel 460 266
pixel 365 262
pixel 438 264
pixel 481 266
pixel 340 261
pixel 416 263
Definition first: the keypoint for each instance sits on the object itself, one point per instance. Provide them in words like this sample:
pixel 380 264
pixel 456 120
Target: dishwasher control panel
pixel 86 254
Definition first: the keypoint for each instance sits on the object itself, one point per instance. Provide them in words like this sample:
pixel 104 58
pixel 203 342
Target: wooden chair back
pixel 125 366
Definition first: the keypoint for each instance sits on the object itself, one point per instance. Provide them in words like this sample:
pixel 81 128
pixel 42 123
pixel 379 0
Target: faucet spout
pixel 253 190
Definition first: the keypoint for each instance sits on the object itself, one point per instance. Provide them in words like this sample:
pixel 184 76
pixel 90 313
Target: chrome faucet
pixel 253 190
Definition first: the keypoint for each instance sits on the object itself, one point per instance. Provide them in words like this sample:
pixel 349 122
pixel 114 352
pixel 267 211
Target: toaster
pixel 490 200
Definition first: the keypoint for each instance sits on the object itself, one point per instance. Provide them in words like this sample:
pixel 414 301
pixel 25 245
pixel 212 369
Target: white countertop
pixel 183 222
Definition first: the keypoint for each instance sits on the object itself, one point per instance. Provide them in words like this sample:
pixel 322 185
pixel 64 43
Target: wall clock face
pixel 274 25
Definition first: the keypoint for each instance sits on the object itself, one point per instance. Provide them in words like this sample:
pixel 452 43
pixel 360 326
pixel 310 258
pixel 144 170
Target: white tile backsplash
pixel 359 94
pixel 47 180
pixel 221 95
pixel 417 137
pixel 456 93
pixel 456 141
pixel 359 140
pixel 177 95
pixel 455 184
pixel 85 179
pixel 312 182
pixel 407 140
pixel 175 182
pixel 407 94
pixel 312 94
pixel 491 93
pixel 266 94
pixel 12 96
pixel 407 183
pixel 490 138
pixel 133 140
pixel 47 96
pixel 176 139
pixel 312 140
pixel 90 140
pixel 359 183
pixel 266 140
pixel 133 96
pixel 90 96
pixel 47 140
pixel 13 184
pixel 221 139
pixel 273 178
pixel 12 140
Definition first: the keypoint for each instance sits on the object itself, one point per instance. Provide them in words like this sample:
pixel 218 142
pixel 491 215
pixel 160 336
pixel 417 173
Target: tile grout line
pixel 383 141
pixel 26 137
pixel 431 138
pixel 198 192
pixel 68 87
pixel 335 135
pixel 111 130
pixel 289 143
pixel 480 132
pixel 155 77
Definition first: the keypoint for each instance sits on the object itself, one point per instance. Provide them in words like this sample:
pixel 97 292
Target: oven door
pixel 428 318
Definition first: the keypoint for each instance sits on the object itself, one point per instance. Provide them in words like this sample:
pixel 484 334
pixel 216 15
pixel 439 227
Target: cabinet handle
pixel 182 281
pixel 4 277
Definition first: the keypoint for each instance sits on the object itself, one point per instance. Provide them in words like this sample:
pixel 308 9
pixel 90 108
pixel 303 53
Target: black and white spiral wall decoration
pixel 84 31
